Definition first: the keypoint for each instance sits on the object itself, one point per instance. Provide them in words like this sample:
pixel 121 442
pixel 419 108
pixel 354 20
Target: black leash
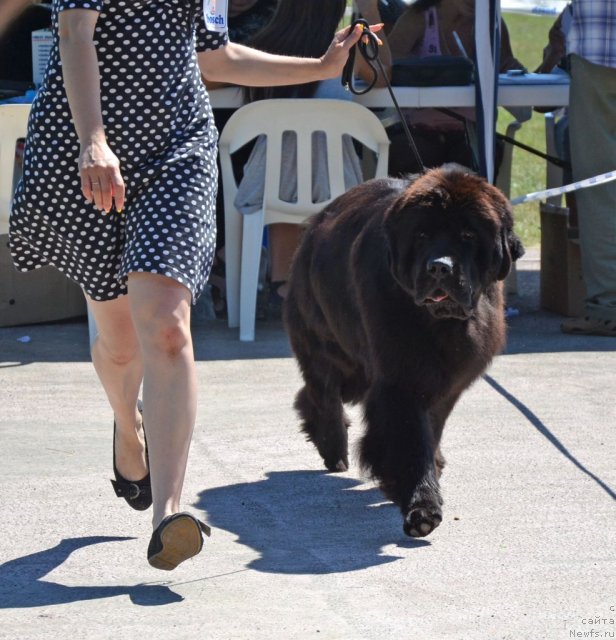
pixel 368 46
pixel 548 158
pixel 501 136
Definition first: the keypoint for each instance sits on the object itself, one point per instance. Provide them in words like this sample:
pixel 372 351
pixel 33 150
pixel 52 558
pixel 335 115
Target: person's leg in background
pixel 592 131
pixel 283 241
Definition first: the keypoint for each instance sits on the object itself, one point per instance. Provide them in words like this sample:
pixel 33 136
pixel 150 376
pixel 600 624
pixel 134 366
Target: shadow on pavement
pixel 308 522
pixel 22 584
pixel 547 434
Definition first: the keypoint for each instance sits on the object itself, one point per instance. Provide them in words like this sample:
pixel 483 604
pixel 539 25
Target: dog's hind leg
pixel 319 402
pixel 324 422
pixel 399 450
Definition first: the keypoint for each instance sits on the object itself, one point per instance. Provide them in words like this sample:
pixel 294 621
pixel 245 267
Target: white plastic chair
pixel 13 126
pixel 243 234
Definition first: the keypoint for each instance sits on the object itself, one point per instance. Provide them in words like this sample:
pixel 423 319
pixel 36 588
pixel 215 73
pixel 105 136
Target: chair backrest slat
pixel 334 118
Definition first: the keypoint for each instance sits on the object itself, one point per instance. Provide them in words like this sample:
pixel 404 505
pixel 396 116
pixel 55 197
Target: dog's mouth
pixel 437 296
pixel 442 304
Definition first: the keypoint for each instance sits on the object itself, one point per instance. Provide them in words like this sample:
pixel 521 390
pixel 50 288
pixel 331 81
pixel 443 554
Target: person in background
pixel 430 28
pixel 119 195
pixel 591 47
pixel 9 10
pixel 18 19
pixel 245 19
pixel 248 17
pixel 555 61
pixel 555 51
pixel 389 11
pixel 300 29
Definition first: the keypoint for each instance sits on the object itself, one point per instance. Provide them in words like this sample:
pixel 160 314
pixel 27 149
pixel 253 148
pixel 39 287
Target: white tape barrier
pixel 574 186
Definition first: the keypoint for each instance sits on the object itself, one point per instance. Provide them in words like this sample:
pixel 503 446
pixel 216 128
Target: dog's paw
pixel 337 465
pixel 421 520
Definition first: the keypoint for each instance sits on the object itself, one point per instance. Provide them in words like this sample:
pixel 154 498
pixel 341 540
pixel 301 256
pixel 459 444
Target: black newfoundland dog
pixel 396 302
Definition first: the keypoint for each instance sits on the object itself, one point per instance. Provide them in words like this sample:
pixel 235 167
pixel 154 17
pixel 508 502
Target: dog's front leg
pixel 398 449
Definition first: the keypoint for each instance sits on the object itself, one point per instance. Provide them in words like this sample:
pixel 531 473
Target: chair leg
pixel 233 257
pixel 249 278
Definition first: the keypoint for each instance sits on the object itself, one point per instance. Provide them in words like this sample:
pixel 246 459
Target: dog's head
pixel 450 236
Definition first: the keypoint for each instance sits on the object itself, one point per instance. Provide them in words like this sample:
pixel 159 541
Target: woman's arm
pixel 9 10
pixel 507 59
pixel 238 64
pixel 101 181
pixel 556 48
pixel 406 34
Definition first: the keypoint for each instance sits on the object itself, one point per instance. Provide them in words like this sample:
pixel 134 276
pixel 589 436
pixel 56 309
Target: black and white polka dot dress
pixel 158 122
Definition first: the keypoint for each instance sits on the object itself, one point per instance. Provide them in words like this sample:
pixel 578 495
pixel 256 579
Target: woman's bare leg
pixel 160 309
pixel 117 359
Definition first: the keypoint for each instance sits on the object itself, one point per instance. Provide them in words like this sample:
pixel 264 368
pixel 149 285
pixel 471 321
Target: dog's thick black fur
pixel 396 302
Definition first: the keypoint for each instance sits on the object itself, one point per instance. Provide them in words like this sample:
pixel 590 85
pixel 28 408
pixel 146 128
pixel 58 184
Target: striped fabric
pixel 593 31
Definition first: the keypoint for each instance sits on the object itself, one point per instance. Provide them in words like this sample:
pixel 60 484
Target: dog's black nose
pixel 440 267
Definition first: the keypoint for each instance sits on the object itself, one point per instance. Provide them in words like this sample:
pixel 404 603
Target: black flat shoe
pixel 177 538
pixel 138 493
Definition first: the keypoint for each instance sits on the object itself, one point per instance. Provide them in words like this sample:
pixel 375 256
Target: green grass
pixel 529 34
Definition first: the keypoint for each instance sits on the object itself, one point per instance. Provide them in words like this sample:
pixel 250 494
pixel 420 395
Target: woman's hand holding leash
pixel 335 57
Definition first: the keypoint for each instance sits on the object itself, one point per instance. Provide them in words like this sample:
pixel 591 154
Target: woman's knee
pixel 118 348
pixel 116 337
pixel 165 335
pixel 161 314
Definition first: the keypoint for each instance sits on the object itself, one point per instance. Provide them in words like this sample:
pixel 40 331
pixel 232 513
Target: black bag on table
pixel 432 71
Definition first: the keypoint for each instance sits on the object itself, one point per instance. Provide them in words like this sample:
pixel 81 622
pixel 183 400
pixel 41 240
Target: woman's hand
pixel 101 180
pixel 335 57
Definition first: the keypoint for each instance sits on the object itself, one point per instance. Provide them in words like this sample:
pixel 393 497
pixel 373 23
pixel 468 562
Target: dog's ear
pixel 509 251
pixel 509 247
pixel 397 228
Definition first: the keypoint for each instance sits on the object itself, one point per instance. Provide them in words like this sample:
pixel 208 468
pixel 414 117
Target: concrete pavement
pixel 526 548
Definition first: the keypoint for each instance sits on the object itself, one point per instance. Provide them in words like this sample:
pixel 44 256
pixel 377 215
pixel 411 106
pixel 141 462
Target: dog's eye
pixel 468 236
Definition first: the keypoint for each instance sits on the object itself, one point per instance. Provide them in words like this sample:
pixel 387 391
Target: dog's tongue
pixel 439 298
